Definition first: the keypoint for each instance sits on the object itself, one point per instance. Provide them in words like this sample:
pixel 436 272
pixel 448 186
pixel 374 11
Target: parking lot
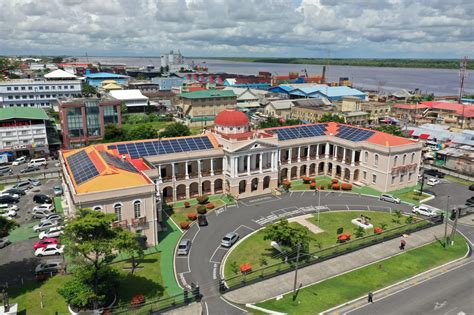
pixel 457 194
pixel 17 260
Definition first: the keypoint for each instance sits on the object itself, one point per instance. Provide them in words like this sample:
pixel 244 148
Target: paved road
pixel 204 261
pixel 457 194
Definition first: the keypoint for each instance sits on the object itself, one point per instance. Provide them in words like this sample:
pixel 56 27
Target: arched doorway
pixel 242 186
pixel 347 175
pixel 206 187
pixel 329 169
pixel 338 171
pixel 266 182
pixel 227 186
pixel 218 186
pixel 294 172
pixel 194 190
pixel 356 175
pixel 168 194
pixel 303 170
pixel 283 174
pixel 312 169
pixel 321 168
pixel 254 185
pixel 181 192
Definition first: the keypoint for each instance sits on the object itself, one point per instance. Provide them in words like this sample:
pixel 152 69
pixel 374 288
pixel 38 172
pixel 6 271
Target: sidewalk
pixel 284 283
pixel 191 309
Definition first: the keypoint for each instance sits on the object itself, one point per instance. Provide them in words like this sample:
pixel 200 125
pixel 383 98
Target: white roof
pixel 59 74
pixel 282 104
pixel 123 95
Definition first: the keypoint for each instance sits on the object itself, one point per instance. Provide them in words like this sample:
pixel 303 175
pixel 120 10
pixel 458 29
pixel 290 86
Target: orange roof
pixel 410 106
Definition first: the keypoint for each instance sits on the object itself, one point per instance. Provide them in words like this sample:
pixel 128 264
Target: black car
pixel 29 169
pixel 471 187
pixel 470 202
pixel 8 199
pixel 40 198
pixel 434 173
pixel 15 191
pixel 202 220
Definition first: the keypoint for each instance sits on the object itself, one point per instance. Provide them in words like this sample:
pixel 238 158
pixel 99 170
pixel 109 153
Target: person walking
pixel 402 244
pixel 370 297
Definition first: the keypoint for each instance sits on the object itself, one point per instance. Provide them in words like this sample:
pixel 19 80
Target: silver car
pixel 50 266
pixel 4 241
pixel 229 239
pixel 184 246
pixel 43 226
pixel 389 198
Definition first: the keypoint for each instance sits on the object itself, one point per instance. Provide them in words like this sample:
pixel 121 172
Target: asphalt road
pixel 203 264
pixel 457 194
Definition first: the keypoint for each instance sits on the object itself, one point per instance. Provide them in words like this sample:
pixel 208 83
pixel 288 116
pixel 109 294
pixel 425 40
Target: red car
pixel 45 242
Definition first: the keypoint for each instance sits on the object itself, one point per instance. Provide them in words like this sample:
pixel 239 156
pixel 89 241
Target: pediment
pixel 256 145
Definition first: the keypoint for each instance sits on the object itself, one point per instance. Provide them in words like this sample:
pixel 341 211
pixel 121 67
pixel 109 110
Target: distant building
pixel 96 79
pixel 309 90
pixel 279 108
pixel 459 159
pixel 174 61
pixel 146 87
pixel 133 99
pixel 23 131
pixel 167 83
pixel 83 120
pixel 311 110
pixel 39 93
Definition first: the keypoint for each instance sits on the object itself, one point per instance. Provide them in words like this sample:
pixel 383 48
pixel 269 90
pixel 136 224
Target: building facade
pixel 83 120
pixel 167 83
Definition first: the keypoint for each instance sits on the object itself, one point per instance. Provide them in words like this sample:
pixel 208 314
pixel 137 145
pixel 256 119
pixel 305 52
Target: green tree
pixel 359 232
pixel 391 129
pixel 57 59
pixel 410 219
pixel 175 130
pixel 331 118
pixel 142 132
pixel 123 108
pixel 277 122
pixel 6 226
pixel 234 267
pixel 288 235
pixel 92 242
pixel 114 133
pixel 129 245
pixel 149 109
pixel 141 77
pixel 88 89
pixel 397 216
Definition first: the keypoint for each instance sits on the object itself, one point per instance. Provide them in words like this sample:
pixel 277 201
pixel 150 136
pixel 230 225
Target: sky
pixel 243 28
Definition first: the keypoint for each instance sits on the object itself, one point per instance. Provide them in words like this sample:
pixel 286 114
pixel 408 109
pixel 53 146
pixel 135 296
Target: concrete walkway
pixel 191 309
pixel 309 275
pixel 302 219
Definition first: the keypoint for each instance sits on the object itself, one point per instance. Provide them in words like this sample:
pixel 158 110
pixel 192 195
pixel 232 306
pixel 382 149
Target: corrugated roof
pixel 124 95
pixel 100 75
pixel 23 112
pixel 208 94
pixel 59 74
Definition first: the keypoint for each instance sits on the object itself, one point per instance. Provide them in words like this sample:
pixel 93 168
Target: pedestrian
pixel 370 297
pixel 402 244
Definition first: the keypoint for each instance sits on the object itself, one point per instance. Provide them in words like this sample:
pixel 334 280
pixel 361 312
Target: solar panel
pixel 165 146
pixel 353 133
pixel 82 167
pixel 303 131
pixel 118 162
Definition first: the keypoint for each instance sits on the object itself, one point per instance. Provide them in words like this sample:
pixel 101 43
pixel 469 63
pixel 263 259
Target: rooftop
pixel 23 112
pixel 105 75
pixel 59 74
pixel 124 95
pixel 208 94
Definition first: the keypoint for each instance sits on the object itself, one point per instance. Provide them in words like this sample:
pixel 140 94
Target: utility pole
pixel 462 75
pixel 423 182
pixel 455 224
pixel 319 203
pixel 298 247
pixel 446 223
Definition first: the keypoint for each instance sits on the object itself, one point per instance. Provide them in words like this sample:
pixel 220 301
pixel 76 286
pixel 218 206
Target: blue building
pixel 167 83
pixel 96 79
pixel 332 93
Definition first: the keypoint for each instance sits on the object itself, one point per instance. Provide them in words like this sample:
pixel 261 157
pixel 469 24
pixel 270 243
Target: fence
pixel 44 174
pixel 263 273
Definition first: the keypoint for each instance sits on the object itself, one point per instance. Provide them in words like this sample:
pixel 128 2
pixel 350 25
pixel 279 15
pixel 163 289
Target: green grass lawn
pixel 23 232
pixel 254 247
pixel 158 125
pixel 58 205
pixel 459 180
pixel 349 286
pixel 147 281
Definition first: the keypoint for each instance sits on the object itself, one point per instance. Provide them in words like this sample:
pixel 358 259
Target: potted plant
pixel 192 216
pixel 187 204
pixel 137 301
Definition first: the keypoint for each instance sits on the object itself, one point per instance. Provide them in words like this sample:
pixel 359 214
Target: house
pixel 311 110
pixel 96 79
pixel 279 108
pixel 133 99
pixel 167 83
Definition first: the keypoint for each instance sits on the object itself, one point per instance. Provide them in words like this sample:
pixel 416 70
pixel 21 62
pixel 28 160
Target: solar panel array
pixel 353 133
pixel 118 162
pixel 142 149
pixel 304 131
pixel 82 167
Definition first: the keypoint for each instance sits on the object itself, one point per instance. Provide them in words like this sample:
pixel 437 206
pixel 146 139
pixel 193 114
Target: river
pixel 437 81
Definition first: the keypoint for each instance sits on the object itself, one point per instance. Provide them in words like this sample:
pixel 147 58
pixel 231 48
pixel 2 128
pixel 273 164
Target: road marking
pixel 291 193
pixel 217 249
pixel 233 305
pixel 214 272
pixel 207 308
pixel 199 229
pixel 302 194
pixel 183 280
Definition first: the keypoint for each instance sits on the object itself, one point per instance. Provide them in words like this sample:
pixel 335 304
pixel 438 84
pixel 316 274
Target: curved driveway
pixel 202 265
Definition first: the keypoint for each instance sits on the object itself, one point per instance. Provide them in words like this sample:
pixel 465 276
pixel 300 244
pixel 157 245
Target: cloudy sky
pixel 290 28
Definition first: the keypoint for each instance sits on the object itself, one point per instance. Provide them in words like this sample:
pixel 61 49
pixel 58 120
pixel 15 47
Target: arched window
pixel 412 157
pixel 97 208
pixel 404 159
pixel 137 205
pixel 366 156
pixel 118 211
pixel 395 160
pixel 376 160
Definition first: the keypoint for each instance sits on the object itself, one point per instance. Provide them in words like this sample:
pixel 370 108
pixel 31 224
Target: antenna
pixel 462 76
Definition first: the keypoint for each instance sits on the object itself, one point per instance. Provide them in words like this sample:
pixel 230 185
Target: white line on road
pixel 207 308
pixel 218 248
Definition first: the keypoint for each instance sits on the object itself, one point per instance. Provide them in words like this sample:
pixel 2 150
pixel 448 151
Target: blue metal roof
pixel 105 75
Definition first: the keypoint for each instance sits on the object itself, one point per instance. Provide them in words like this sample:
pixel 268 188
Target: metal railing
pixel 257 275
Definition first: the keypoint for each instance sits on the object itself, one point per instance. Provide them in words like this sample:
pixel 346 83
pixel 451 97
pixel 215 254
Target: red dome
pixel 231 118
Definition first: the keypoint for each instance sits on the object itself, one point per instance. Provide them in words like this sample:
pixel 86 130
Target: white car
pixel 52 232
pixel 41 214
pixel 44 207
pixel 7 207
pixel 389 198
pixel 19 161
pixel 43 226
pixel 424 210
pixel 53 249
pixel 432 181
pixel 52 217
pixel 8 213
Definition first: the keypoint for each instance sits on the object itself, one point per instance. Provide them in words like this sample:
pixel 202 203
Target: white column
pixel 186 169
pixel 353 158
pixel 309 153
pixel 248 164
pixel 334 152
pixel 199 169
pixel 236 166
pixel 173 171
pixel 289 155
pixel 261 162
pixel 224 164
pixel 344 155
pixel 159 171
pixel 327 150
pixel 317 151
pixel 299 154
pixel 212 167
pixel 272 155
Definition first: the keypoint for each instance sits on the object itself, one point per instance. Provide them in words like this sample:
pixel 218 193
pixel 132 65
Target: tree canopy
pixel 175 130
pixel 331 118
pixel 88 89
pixel 278 122
pixel 142 132
pixel 288 235
pixel 6 226
pixel 391 129
pixel 114 133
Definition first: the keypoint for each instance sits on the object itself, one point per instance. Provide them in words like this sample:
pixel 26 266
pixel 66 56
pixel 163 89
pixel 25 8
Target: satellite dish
pixel 276 246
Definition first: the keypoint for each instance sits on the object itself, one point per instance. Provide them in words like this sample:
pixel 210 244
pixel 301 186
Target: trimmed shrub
pixel 336 187
pixel 286 184
pixel 202 199
pixel 192 216
pixel 334 181
pixel 202 209
pixel 306 180
pixel 184 225
pixel 187 204
pixel 321 187
pixel 346 186
pixel 329 185
pixel 312 186
pixel 210 206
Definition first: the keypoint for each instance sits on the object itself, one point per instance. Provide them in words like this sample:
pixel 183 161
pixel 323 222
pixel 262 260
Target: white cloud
pixel 372 28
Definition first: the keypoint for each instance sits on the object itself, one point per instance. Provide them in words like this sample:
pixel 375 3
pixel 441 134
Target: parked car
pixel 41 198
pixel 471 187
pixel 49 266
pixel 46 206
pixel 7 207
pixel 434 173
pixel 34 181
pixel 432 181
pixel 16 191
pixel 58 190
pixel 20 160
pixel 424 210
pixel 23 185
pixel 8 199
pixel 184 246
pixel 10 194
pixel 7 213
pixel 43 226
pixel 50 250
pixel 30 169
pixel 389 198
pixel 40 214
pixel 52 217
pixel 38 162
pixel 45 242
pixel 5 169
pixel 470 202
pixel 229 239
pixel 52 232
pixel 202 220
pixel 4 241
